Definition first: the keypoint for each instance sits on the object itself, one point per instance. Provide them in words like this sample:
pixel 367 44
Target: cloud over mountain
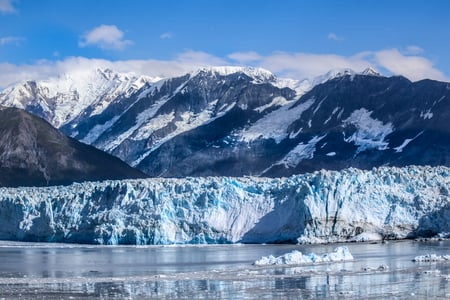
pixel 299 65
pixel 105 37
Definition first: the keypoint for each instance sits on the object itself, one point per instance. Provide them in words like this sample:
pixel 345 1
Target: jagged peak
pixel 336 73
pixel 259 74
pixel 370 72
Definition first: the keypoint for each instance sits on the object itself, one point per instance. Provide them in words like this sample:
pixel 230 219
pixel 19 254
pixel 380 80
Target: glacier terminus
pixel 324 206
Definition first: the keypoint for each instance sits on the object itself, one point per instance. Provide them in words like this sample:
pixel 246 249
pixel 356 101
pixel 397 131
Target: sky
pixel 292 38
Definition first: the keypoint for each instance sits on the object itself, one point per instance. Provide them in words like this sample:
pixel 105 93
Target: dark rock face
pixel 353 121
pixel 33 153
pixel 384 121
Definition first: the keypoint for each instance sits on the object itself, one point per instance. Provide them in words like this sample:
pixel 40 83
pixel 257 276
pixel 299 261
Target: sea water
pixel 56 271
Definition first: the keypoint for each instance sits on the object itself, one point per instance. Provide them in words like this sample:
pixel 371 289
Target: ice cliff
pixel 316 207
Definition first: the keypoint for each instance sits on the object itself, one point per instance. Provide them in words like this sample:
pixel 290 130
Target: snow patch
pixel 319 105
pixel 277 101
pixel 152 125
pixel 275 124
pixel 370 133
pixel 426 115
pixel 140 120
pixel 189 121
pixel 405 143
pixel 300 152
pixel 335 110
pixel 98 130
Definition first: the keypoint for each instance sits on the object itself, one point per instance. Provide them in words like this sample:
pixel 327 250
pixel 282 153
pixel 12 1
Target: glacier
pixel 324 206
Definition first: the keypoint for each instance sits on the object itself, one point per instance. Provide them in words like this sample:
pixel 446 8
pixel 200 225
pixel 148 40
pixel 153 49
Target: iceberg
pixel 324 206
pixel 297 258
pixel 432 258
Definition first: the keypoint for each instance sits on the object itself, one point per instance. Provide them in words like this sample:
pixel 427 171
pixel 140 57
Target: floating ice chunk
pixel 367 237
pixel 380 268
pixel 432 258
pixel 339 254
pixel 297 258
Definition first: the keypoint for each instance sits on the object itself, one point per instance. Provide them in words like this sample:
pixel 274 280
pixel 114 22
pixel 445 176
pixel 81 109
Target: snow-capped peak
pixel 336 73
pixel 370 72
pixel 65 96
pixel 258 74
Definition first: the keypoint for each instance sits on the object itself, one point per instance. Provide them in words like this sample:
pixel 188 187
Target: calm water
pixel 58 271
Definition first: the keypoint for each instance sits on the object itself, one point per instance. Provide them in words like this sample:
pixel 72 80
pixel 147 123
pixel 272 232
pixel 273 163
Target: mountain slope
pixel 353 120
pixel 32 152
pixel 132 128
pixel 369 121
pixel 238 121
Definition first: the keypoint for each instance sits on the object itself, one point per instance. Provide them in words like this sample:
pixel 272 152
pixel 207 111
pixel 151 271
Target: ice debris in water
pixel 380 268
pixel 297 258
pixel 432 258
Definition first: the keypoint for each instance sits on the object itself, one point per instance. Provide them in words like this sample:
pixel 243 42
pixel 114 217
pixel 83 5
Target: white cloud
pixel 43 69
pixel 6 7
pixel 293 65
pixel 166 35
pixel 334 37
pixel 245 57
pixel 308 65
pixel 105 37
pixel 200 59
pixel 414 50
pixel 412 66
pixel 10 40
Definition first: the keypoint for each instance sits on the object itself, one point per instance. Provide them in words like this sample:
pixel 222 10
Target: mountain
pixel 325 206
pixel 33 153
pixel 238 121
pixel 177 106
pixel 220 100
pixel 60 99
pixel 359 121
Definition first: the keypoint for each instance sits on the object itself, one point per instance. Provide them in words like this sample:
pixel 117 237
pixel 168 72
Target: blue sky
pixel 299 39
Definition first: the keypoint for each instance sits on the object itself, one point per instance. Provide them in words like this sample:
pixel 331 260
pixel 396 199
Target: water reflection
pixel 327 286
pixel 220 272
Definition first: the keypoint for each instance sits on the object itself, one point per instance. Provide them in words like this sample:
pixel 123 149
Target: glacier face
pixel 316 207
